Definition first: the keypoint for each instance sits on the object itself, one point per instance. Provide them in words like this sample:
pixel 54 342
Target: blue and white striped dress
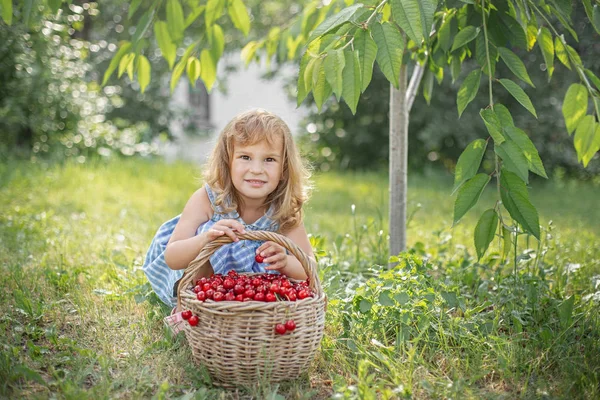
pixel 238 255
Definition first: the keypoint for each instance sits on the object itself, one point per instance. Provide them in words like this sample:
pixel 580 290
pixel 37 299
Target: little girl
pixel 255 180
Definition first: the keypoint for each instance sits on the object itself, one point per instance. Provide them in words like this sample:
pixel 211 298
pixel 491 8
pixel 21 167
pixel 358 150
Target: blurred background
pixel 52 106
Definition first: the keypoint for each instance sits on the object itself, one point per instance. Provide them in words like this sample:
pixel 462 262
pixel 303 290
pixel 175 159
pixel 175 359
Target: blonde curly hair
pixel 247 129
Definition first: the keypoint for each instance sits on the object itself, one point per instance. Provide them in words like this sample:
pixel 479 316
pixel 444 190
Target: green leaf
pixel 402 298
pixel 493 124
pixel 166 45
pixel 193 70
pixel 565 312
pixel 208 70
pixel 450 299
pixel 135 4
pixel 367 51
pixel 513 158
pixel 308 73
pixel 593 78
pixel 516 201
pixel 322 90
pixel 385 299
pixel 445 33
pixel 515 64
pixel 114 63
pixel 334 21
pixel 390 48
pixel 217 42
pixel 468 195
pixel 503 115
pixel 239 16
pixel 7 11
pixel 481 55
pixel 214 9
pixel 125 62
pixel 181 65
pixel 176 74
pixel 248 52
pixel 468 90
pixel 507 242
pixel 574 56
pixel 175 20
pixel 455 67
pixel 191 17
pixel 593 147
pixel 584 137
pixel 301 87
pixel 428 85
pixel 589 11
pixel 364 306
pixel 464 36
pixel 547 47
pixel 519 94
pixel 520 138
pixel 469 162
pixel 596 21
pixel 427 10
pixel 143 72
pixel 54 5
pixel 334 66
pixel 351 80
pixel 561 52
pixel 407 15
pixel 485 231
pixel 28 6
pixel 143 25
pixel 575 106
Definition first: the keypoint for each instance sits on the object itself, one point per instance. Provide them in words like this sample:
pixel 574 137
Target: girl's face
pixel 256 169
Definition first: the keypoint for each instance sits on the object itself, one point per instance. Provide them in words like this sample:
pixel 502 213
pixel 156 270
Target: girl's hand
pixel 273 254
pixel 225 227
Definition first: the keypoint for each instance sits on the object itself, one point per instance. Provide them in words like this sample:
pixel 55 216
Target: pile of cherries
pixel 261 287
pixel 240 287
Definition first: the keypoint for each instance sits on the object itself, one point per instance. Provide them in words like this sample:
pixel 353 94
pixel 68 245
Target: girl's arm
pixel 184 245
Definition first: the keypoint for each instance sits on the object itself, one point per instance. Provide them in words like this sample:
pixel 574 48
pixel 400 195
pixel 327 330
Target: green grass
pixel 77 321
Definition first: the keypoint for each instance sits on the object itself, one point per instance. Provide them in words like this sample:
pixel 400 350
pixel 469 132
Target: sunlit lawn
pixel 72 240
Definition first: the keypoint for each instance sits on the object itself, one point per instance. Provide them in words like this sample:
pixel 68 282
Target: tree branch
pixel 413 86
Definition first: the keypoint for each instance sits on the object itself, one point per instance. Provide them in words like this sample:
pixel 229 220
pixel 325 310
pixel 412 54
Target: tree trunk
pixel 398 163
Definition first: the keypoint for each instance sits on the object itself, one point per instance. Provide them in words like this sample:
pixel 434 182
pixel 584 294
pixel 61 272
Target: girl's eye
pixel 269 159
pixel 244 157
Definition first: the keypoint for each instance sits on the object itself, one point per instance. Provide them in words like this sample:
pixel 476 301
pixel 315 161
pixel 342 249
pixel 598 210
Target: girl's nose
pixel 256 166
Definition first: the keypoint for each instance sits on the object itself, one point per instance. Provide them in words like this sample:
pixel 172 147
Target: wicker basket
pixel 236 341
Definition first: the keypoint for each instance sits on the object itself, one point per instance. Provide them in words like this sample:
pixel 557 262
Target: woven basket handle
pixel 309 265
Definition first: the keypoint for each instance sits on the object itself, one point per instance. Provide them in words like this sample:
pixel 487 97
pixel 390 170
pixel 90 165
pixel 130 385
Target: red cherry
pixel 186 314
pixel 218 296
pixel 290 325
pixel 206 286
pixel 270 297
pixel 210 293
pixel 303 293
pixel 230 296
pixel 239 289
pixel 197 288
pixel 259 259
pixel 193 321
pixel 249 293
pixel 201 295
pixel 239 297
pixel 232 273
pixel 292 296
pixel 260 296
pixel 228 283
pixel 286 284
pixel 280 329
pixel 256 282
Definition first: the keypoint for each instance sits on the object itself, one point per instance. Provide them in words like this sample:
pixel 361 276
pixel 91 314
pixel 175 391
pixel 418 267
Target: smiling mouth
pixel 255 182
